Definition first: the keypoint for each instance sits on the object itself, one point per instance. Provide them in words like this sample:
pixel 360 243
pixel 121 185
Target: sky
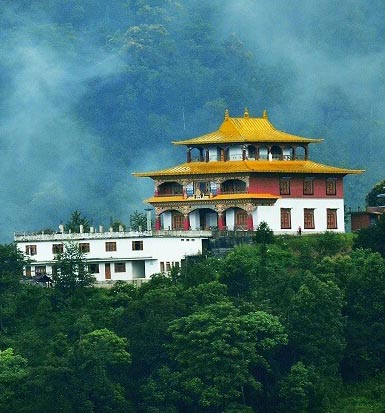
pixel 329 58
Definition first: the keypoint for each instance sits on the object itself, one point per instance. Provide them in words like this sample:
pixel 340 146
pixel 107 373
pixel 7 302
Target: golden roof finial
pixel 265 114
pixel 226 113
pixel 246 114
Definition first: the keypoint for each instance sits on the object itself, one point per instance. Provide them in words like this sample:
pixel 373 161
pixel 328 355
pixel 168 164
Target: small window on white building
pixel 120 267
pixel 137 245
pixel 57 248
pixel 94 268
pixel 31 249
pixel 84 247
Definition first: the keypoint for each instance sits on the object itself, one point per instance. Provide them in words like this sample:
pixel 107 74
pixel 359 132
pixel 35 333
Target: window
pixel 241 219
pixel 57 248
pixel 31 249
pixel 120 267
pixel 137 245
pixel 284 186
pixel 161 266
pixel 308 222
pixel 331 218
pixel 168 266
pixel 110 246
pixel 94 268
pixel 285 218
pixel 84 247
pixel 40 270
pixel 308 186
pixel 331 187
pixel 28 271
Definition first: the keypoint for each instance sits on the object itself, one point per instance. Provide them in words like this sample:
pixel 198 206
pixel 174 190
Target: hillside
pixel 290 324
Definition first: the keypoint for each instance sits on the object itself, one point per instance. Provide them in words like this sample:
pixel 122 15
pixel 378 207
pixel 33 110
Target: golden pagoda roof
pixel 246 130
pixel 249 166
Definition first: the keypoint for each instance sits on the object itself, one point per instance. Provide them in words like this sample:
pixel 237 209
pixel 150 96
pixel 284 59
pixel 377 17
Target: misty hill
pixel 94 90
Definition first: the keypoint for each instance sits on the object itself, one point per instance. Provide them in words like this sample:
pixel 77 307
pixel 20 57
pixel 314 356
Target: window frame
pixel 284 186
pixel 308 186
pixel 285 218
pixel 331 218
pixel 119 267
pixel 110 246
pixel 31 249
pixel 137 245
pixel 84 247
pixel 57 248
pixel 308 218
pixel 94 268
pixel 331 186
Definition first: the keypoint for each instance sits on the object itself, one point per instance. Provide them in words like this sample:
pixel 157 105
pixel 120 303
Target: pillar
pixel 186 223
pixel 221 225
pixel 250 225
pixel 158 225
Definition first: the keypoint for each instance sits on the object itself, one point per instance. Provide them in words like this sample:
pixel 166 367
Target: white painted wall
pixel 272 214
pixel 155 250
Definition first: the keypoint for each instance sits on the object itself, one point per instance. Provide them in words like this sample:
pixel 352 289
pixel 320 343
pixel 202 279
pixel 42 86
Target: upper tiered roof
pixel 246 130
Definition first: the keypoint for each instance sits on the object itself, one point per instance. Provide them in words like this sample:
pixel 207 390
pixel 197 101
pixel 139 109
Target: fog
pixel 75 121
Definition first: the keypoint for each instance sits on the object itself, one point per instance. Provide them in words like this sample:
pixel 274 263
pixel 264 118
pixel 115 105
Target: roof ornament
pixel 226 114
pixel 246 114
pixel 265 114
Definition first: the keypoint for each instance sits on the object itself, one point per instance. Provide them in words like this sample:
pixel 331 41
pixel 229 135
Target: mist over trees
pixel 89 88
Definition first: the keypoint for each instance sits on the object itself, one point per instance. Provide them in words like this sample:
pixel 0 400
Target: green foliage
pixel 263 234
pixel 11 265
pixel 72 272
pixel 372 198
pixel 138 221
pixel 76 219
pixel 316 313
pixel 295 389
pixel 372 237
pixel 215 348
pixel 254 331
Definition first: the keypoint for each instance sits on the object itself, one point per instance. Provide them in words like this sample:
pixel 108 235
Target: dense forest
pixel 89 88
pixel 283 324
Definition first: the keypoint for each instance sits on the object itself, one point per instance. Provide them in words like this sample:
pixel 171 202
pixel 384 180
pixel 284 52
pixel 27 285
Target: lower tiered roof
pixel 249 166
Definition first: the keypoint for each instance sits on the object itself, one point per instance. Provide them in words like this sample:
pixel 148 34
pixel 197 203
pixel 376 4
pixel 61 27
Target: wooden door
pixel 107 271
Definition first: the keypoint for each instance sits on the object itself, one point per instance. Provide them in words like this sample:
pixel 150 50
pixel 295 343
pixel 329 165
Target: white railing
pixel 20 237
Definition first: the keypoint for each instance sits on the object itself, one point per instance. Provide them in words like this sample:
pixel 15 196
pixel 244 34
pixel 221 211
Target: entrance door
pixel 107 271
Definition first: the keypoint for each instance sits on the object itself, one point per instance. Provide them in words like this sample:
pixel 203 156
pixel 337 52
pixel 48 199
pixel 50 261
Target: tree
pixel 75 221
pixel 11 271
pixel 99 361
pixel 365 311
pixel 138 221
pixel 296 388
pixel 215 349
pixel 373 198
pixel 372 237
pixel 72 272
pixel 13 370
pixel 316 324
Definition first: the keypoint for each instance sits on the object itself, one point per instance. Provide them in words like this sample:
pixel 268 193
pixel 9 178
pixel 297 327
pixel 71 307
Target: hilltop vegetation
pixel 277 326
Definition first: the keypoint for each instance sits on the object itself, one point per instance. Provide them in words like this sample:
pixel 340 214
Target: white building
pixel 112 256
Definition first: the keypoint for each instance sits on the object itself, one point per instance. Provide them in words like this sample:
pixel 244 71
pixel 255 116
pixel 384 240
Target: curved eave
pixel 249 166
pixel 216 198
pixel 218 137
